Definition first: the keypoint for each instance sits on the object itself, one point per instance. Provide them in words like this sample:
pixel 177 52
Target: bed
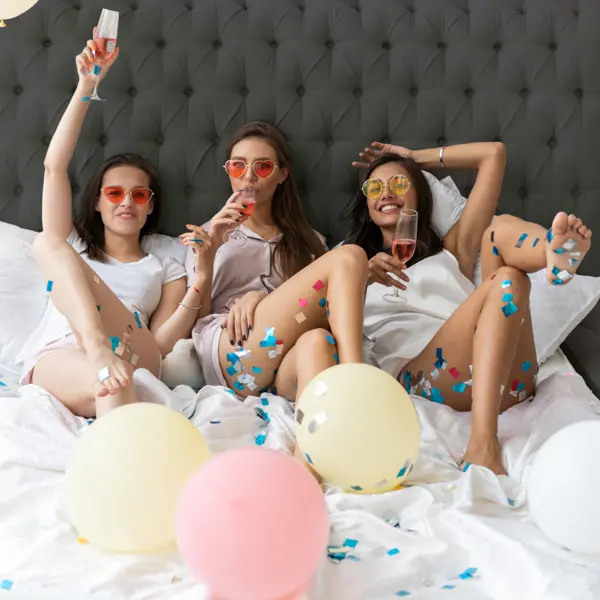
pixel 334 75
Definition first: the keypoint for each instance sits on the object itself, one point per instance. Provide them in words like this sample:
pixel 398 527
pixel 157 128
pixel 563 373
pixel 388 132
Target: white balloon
pixel 564 487
pixel 9 9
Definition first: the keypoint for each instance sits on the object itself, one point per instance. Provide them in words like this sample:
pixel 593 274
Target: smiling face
pixel 384 210
pixel 122 215
pixel 253 150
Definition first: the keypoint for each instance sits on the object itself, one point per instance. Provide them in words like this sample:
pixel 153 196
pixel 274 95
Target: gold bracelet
pixel 190 307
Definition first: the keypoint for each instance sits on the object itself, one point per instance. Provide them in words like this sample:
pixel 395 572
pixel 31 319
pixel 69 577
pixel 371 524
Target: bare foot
pixel 111 374
pixel 568 241
pixel 485 453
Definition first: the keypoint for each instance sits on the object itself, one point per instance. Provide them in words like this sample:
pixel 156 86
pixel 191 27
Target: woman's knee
pixel 520 283
pixel 350 256
pixel 315 340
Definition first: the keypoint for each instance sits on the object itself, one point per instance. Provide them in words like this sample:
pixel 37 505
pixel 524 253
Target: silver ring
pixel 103 374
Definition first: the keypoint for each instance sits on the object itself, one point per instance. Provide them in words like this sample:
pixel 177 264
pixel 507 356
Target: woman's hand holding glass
pixel 232 214
pixel 380 267
pixel 88 60
pixel 203 247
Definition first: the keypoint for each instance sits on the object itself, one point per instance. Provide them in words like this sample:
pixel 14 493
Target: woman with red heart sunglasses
pixel 113 306
pixel 276 309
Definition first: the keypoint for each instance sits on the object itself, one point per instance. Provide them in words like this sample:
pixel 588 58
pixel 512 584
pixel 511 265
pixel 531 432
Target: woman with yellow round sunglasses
pixel 471 349
pixel 114 306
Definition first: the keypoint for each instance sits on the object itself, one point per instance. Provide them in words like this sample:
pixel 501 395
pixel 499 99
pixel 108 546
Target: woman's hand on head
pixel 240 320
pixel 381 265
pixel 376 150
pixel 88 59
pixel 228 218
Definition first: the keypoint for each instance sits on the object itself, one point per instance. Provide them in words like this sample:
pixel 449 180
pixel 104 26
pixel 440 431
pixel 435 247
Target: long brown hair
pixel 299 244
pixel 368 236
pixel 89 225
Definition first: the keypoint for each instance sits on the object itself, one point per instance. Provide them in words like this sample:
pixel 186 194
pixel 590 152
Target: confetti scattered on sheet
pixel 466 467
pixel 260 439
pixel 6 584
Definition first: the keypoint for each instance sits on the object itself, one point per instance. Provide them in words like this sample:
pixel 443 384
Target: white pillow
pixel 448 203
pixel 23 296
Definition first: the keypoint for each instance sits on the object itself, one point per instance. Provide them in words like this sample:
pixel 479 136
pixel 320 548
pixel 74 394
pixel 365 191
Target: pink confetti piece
pixel 302 302
pixel 319 285
pixel 514 385
pixel 300 317
pixel 454 372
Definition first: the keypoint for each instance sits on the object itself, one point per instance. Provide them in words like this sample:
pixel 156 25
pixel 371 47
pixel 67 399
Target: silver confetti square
pixel 134 360
pixel 319 419
pixel 435 374
pixel 299 416
pixel 564 275
pixel 272 353
pixel 569 245
pixel 120 350
pixel 573 262
pixel 502 390
pixel 382 483
pixel 320 388
pixel 522 395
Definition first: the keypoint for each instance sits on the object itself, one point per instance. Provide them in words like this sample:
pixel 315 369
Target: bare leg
pixel 95 314
pixel 530 247
pixel 498 347
pixel 327 294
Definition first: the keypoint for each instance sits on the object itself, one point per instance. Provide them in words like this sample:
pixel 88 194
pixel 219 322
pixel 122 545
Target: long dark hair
pixel 89 225
pixel 368 236
pixel 299 244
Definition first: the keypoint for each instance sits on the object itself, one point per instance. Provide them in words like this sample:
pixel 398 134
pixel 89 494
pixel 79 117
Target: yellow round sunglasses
pixel 373 188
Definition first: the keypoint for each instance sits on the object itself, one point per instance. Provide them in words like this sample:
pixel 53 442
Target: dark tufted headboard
pixel 334 75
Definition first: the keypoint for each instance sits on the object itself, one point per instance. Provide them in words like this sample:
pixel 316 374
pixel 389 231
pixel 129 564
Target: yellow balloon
pixel 126 474
pixel 358 428
pixel 9 9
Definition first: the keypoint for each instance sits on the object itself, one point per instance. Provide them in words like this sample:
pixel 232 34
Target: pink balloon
pixel 252 525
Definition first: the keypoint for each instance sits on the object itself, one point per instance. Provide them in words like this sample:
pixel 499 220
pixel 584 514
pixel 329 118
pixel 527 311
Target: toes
pixel 577 224
pixel 572 221
pixel 560 224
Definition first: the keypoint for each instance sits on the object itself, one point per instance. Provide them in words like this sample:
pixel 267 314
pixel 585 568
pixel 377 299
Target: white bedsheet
pixel 449 522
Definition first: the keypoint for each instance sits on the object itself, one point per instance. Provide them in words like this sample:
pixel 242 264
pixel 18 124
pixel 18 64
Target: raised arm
pixel 489 159
pixel 57 202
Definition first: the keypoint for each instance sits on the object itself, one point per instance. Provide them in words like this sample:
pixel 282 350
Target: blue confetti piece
pixel 401 472
pixel 558 282
pixel 49 286
pixel 2 384
pixel 231 370
pixel 259 440
pixel 97 70
pixel 238 386
pixel 230 391
pixel 448 587
pixel 114 342
pixel 466 467
pixel 308 458
pixel 6 584
pixel 511 502
pixel 407 378
pixel 330 340
pixel 520 387
pixel 508 297
pixel 402 593
pixel 424 394
pixel 509 309
pixel 269 341
pixel 356 488
pixel 335 555
pixel 438 353
pixel 526 366
pixel 393 551
pixel 468 574
pixel 138 320
pixel 495 251
pixel 336 357
pixel 506 283
pixel 232 357
pixel 555 270
pixel 436 396
pixel 521 240
pixel 264 401
pixel 261 414
pixel 549 235
pixel 350 543
pixel 459 387
pixel 215 422
pixel 256 370
pixel 198 241
pixel 322 302
pixel 559 251
pixel 86 99
pixel 535 242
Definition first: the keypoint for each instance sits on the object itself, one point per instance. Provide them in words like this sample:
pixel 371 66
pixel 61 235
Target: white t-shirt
pixel 138 285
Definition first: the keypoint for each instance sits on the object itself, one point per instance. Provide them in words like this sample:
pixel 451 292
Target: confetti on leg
pixel 49 286
pixel 302 302
pixel 506 283
pixel 454 372
pixel 137 320
pixel 301 317
pixel 521 240
pixel 567 236
pixel 535 242
pixel 436 396
pixel 114 342
pixel 526 366
pixel 495 251
pixel 509 309
pixel 319 285
pixel 323 302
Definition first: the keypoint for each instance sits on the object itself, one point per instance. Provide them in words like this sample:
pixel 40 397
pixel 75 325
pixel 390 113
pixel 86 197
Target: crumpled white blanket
pixel 449 535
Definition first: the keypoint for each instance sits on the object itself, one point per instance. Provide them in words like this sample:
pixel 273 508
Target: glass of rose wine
pixel 403 246
pixel 105 37
pixel 237 236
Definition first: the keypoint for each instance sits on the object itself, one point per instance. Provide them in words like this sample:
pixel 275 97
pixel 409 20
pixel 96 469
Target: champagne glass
pixel 403 246
pixel 105 37
pixel 237 236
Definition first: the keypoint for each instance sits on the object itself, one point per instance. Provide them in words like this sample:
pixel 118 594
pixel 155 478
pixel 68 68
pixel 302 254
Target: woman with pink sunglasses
pixel 274 309
pixel 113 307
